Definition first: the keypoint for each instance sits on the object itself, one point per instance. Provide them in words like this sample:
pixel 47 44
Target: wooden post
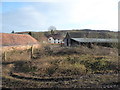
pixel 5 56
pixel 32 49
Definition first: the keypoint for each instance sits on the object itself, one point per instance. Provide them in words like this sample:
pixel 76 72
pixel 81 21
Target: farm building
pixel 17 41
pixel 55 39
pixel 74 40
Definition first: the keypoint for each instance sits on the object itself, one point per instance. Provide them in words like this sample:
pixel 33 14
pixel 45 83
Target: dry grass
pixel 67 65
pixel 63 62
pixel 16 55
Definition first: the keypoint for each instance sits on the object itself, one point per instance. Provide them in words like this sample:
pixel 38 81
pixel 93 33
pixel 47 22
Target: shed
pixel 73 40
pixel 8 41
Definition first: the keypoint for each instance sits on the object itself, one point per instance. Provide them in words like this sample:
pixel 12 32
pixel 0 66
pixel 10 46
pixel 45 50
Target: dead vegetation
pixel 91 68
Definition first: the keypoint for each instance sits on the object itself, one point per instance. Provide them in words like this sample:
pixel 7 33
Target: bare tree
pixel 52 29
pixel 12 32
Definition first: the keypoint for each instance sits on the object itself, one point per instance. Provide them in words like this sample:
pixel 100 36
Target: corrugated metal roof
pixel 94 40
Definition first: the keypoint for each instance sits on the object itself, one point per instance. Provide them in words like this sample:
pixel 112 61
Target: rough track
pixel 43 79
pixel 60 79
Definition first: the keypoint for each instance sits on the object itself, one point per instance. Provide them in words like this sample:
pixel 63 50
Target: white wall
pixel 51 40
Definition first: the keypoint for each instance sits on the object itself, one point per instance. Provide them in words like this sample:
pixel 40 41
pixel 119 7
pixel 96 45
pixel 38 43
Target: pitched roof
pixel 17 39
pixel 55 36
pixel 95 40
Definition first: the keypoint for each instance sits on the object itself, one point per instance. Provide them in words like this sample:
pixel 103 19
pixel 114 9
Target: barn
pixel 17 41
pixel 75 40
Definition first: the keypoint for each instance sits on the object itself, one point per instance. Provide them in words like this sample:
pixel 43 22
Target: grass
pixel 67 65
pixel 93 81
pixel 17 55
pixel 64 62
pixel 10 82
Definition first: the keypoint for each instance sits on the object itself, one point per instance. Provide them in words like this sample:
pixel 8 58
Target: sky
pixel 63 14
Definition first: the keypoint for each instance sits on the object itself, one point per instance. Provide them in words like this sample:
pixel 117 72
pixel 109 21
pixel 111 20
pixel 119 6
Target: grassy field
pixel 63 67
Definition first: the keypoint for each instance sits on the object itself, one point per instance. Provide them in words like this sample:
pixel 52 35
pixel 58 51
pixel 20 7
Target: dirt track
pixel 80 81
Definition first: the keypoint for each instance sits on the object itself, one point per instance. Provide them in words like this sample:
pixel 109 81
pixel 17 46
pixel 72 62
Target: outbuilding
pixel 17 41
pixel 75 40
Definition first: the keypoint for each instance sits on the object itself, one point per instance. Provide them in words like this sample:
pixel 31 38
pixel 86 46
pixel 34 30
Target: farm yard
pixel 41 60
pixel 59 44
pixel 63 67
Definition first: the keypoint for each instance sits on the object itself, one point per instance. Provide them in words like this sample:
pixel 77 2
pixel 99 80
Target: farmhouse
pixel 74 40
pixel 55 39
pixel 17 41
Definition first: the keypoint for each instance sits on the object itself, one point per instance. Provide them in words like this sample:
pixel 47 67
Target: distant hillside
pixel 39 36
pixel 84 33
pixel 87 33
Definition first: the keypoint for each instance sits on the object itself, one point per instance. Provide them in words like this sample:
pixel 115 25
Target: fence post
pixel 5 56
pixel 32 51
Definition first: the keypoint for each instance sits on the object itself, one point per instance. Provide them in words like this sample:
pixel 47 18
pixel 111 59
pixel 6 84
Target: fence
pixel 18 53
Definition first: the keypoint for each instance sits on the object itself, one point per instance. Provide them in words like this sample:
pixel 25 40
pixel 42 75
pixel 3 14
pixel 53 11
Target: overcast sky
pixel 63 14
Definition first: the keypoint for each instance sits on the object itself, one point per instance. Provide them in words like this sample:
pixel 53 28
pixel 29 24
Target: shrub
pixel 72 60
pixel 72 69
pixel 22 66
pixel 100 65
pixel 48 50
pixel 51 70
